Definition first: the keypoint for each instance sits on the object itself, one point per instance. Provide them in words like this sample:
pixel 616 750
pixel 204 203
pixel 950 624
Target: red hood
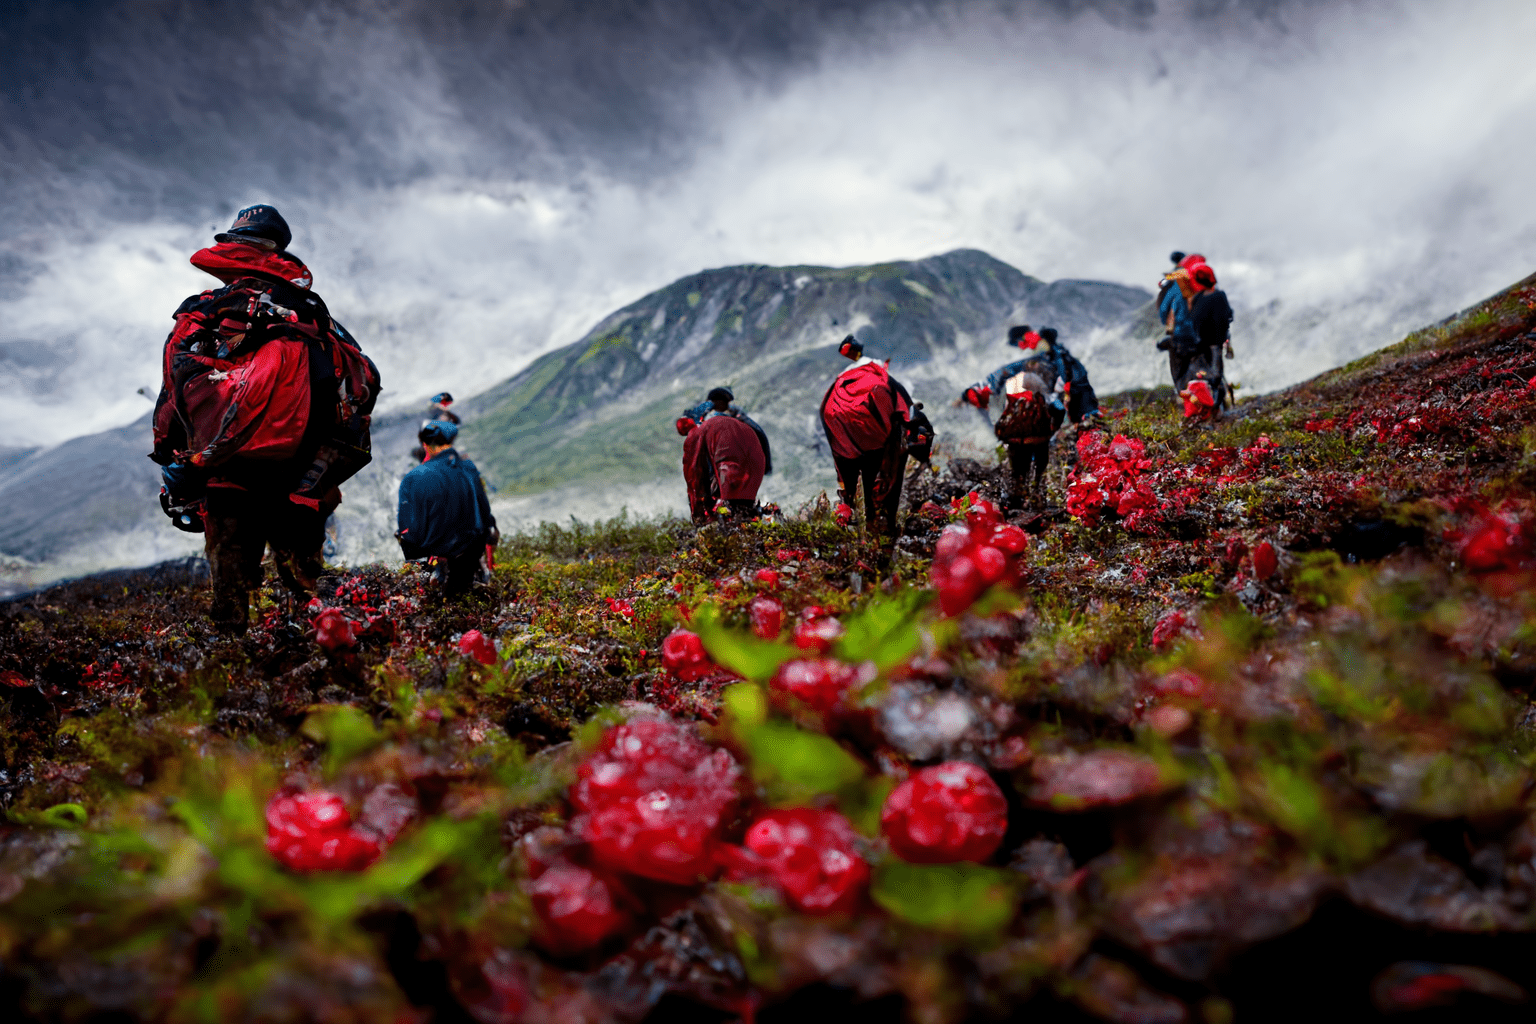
pixel 230 261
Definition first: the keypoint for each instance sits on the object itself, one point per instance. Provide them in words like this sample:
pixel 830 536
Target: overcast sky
pixel 476 183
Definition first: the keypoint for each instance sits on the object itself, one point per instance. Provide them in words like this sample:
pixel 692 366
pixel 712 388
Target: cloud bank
pixel 474 185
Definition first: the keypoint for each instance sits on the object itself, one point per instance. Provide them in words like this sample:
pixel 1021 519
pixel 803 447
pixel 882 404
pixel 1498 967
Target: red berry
pixel 651 799
pixel 947 813
pixel 1265 561
pixel 991 563
pixel 818 634
pixel 682 653
pixel 767 617
pixel 334 631
pixel 811 855
pixel 843 514
pixel 315 606
pixel 578 907
pixel 621 607
pixel 1010 540
pixel 477 645
pixel 982 514
pixel 313 832
pixel 768 578
pixel 820 683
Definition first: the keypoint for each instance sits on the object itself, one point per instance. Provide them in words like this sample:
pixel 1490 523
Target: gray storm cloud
pixel 1352 170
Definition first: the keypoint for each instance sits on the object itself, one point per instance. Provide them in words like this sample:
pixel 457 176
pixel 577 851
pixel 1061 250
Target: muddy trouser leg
pixel 891 468
pixel 461 571
pixel 847 479
pixel 1038 455
pixel 234 542
pixel 297 533
pixel 1083 402
pixel 1019 456
pixel 1178 366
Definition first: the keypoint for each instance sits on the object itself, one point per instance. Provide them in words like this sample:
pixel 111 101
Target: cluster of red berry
pixel 972 556
pixel 651 803
pixel 1496 540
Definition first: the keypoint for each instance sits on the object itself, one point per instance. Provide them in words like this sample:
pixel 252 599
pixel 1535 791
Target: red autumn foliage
pixel 334 631
pixel 475 644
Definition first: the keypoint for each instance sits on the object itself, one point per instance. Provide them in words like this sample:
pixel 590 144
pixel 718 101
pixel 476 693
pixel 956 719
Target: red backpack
pixel 258 369
pixel 1027 420
pixel 860 410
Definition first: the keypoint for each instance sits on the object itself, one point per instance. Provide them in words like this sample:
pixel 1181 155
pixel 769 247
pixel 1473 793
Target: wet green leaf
pixel 345 730
pixel 885 631
pixel 965 899
pixel 737 650
pixel 796 766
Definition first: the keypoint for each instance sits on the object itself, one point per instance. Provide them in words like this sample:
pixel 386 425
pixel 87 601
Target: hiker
pixel 438 409
pixel 722 400
pixel 919 438
pixel 445 515
pixel 864 416
pixel 1175 292
pixel 724 459
pixel 1066 378
pixel 1212 315
pixel 1025 426
pixel 263 411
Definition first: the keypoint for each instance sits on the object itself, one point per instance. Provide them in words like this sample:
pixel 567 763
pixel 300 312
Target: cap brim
pixel 259 242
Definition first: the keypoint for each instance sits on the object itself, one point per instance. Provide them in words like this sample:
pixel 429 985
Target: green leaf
pixel 884 631
pixel 965 899
pixel 63 816
pixel 738 651
pixel 345 730
pixel 795 766
pixel 745 704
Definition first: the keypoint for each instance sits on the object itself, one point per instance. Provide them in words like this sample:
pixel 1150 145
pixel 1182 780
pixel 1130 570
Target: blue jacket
pixel 443 508
pixel 1183 324
pixel 1055 364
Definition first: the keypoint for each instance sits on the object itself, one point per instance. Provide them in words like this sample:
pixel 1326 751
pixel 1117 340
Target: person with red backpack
pixel 724 458
pixel 263 411
pixel 1025 427
pixel 864 414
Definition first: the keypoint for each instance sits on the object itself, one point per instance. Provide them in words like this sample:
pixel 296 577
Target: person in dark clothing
pixel 259 385
pixel 1025 426
pixel 1064 375
pixel 445 515
pixel 437 410
pixel 726 453
pixel 440 410
pixel 864 415
pixel 919 439
pixel 1212 314
pixel 722 400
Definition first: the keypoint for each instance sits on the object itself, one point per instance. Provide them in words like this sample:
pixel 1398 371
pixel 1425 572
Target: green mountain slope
pixel 602 408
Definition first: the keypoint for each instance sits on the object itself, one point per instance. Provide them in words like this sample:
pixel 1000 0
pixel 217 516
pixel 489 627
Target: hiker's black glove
pixel 182 496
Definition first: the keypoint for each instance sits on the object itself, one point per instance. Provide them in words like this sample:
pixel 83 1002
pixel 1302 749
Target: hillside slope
pixel 600 411
pixel 1252 737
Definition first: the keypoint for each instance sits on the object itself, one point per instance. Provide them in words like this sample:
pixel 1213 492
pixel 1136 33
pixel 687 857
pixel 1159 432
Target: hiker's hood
pixel 861 361
pixel 230 261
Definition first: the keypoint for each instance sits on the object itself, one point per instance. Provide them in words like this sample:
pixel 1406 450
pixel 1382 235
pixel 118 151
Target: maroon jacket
pixel 727 452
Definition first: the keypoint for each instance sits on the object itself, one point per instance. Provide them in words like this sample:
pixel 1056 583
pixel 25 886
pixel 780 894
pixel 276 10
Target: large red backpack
pixel 860 410
pixel 261 383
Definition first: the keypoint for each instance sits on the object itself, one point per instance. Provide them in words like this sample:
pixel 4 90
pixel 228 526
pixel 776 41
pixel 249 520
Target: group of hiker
pixel 266 401
pixel 1197 324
